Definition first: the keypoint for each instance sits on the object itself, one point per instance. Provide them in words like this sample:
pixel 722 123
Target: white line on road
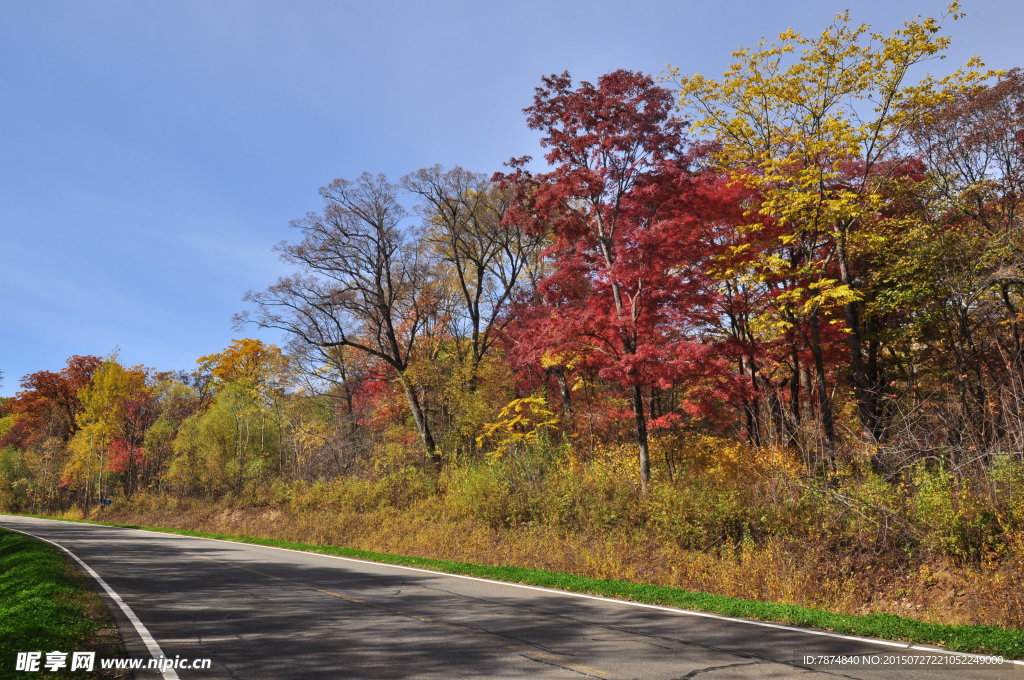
pixel 567 593
pixel 140 628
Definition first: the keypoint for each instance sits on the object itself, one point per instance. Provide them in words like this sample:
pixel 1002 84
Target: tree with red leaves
pixel 48 403
pixel 629 218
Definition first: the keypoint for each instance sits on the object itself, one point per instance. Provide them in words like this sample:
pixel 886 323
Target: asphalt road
pixel 262 613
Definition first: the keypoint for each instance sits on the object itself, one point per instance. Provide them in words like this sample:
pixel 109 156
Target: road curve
pixel 264 613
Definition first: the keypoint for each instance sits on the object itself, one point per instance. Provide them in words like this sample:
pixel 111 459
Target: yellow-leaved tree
pixel 263 368
pixel 239 436
pixel 111 405
pixel 815 129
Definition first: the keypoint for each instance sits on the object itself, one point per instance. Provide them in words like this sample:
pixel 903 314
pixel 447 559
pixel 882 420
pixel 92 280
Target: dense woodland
pixel 778 311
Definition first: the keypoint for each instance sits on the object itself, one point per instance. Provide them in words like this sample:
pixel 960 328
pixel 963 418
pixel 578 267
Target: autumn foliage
pixel 798 318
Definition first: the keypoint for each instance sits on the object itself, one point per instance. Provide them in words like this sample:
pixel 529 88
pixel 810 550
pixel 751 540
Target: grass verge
pixel 981 639
pixel 47 605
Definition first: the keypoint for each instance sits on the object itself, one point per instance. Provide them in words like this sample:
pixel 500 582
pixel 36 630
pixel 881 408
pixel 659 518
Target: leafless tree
pixel 363 282
pixel 481 257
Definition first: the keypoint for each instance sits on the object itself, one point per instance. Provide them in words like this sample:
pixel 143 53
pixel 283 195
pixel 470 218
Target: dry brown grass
pixel 785 569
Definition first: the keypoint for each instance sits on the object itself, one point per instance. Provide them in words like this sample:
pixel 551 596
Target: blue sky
pixel 154 152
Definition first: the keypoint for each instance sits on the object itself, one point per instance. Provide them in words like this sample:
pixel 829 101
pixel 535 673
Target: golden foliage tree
pixel 816 128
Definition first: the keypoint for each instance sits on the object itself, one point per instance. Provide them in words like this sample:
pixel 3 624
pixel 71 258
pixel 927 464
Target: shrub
pixel 952 519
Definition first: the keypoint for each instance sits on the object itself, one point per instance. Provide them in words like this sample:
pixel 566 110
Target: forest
pixel 760 334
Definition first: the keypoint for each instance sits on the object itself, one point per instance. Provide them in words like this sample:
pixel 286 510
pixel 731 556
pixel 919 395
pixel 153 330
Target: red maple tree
pixel 630 219
pixel 48 402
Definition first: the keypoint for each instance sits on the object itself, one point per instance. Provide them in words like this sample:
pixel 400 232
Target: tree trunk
pixel 824 400
pixel 864 387
pixel 564 393
pixel 752 405
pixel 641 437
pixel 794 388
pixel 422 425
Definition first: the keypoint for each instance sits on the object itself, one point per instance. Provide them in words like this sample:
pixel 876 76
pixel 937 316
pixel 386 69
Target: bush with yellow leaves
pixel 520 424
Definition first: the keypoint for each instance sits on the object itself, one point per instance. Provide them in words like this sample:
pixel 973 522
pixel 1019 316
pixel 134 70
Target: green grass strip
pixel 981 639
pixel 45 603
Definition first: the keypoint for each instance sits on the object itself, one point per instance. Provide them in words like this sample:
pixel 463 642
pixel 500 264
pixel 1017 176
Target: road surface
pixel 263 613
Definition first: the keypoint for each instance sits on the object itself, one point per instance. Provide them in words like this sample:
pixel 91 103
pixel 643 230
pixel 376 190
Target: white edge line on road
pixel 599 598
pixel 568 593
pixel 140 628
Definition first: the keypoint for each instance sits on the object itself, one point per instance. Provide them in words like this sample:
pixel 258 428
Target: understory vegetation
pixel 776 353
pixel 982 639
pixel 930 547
